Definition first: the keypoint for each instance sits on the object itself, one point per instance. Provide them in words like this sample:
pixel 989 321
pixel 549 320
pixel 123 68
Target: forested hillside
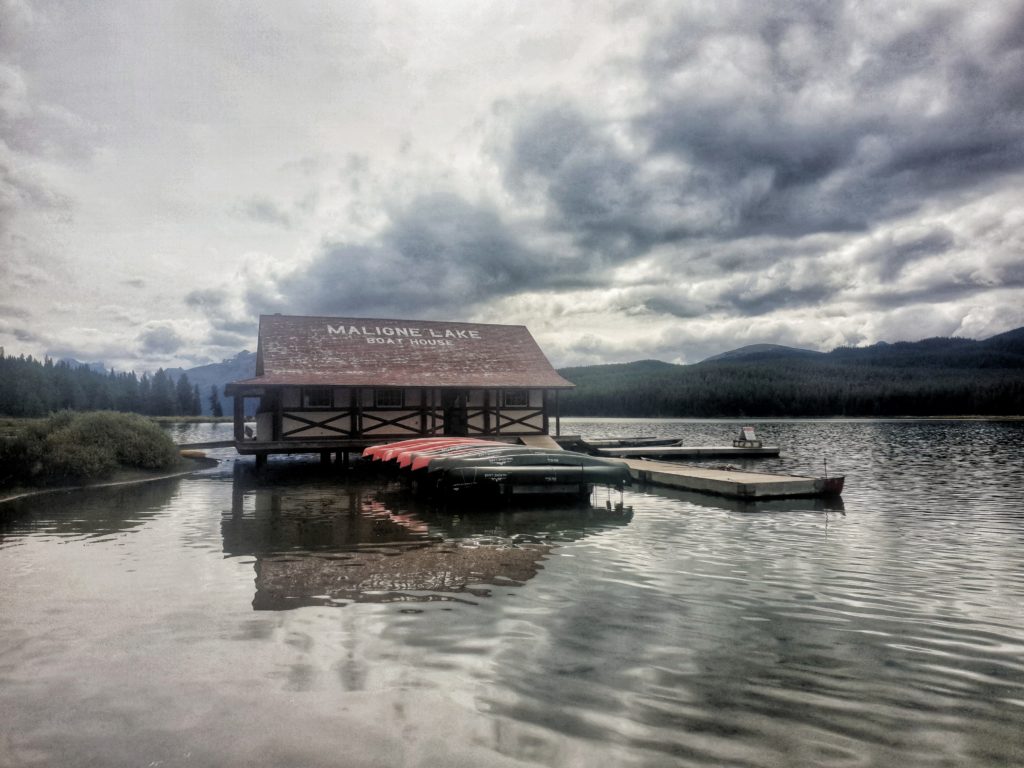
pixel 30 387
pixel 925 378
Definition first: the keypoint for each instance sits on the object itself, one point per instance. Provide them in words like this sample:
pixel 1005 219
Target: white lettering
pixel 432 342
pixel 399 333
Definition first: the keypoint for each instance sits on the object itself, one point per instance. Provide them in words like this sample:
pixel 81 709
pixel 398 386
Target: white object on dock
pixel 747 439
pixel 540 441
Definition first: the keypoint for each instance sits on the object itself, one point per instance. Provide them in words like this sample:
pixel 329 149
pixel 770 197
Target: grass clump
pixel 77 447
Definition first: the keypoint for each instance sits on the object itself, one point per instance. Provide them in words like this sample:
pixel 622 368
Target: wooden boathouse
pixel 338 384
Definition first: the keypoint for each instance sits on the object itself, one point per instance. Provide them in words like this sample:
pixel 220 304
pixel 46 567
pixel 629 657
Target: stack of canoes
pixel 463 466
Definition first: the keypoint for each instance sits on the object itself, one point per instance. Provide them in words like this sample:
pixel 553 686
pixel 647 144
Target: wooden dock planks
pixel 696 451
pixel 733 483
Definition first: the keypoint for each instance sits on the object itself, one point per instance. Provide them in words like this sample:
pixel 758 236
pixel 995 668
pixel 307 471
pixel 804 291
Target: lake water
pixel 303 620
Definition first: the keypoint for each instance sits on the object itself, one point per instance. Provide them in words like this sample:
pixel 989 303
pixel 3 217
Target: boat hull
pixel 468 468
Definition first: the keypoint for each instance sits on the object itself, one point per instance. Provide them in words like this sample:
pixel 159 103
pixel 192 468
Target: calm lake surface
pixel 304 620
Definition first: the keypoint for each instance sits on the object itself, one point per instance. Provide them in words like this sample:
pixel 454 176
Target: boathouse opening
pixel 330 384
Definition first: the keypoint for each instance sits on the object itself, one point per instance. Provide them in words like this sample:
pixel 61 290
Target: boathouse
pixel 338 384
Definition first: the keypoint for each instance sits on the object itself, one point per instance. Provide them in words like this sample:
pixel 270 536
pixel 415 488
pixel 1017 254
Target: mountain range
pixel 929 377
pixel 241 366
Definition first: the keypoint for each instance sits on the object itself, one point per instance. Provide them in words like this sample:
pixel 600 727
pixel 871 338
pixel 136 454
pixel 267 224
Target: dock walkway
pixel 733 483
pixel 693 451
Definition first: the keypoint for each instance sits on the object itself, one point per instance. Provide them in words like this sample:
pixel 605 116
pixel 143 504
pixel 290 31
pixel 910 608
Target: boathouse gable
pixel 341 382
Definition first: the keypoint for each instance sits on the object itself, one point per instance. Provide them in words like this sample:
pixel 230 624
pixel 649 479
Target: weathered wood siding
pixel 283 417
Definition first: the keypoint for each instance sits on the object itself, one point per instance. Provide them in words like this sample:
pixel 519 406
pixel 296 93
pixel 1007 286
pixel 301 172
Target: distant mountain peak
pixel 763 351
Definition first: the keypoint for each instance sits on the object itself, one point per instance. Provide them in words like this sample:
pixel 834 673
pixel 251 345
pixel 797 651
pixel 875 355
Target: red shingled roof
pixel 359 352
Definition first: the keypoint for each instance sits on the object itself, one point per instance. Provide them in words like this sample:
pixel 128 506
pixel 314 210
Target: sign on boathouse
pixel 399 335
pixel 328 383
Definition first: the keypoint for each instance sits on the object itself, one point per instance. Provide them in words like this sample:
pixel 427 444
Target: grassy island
pixel 68 448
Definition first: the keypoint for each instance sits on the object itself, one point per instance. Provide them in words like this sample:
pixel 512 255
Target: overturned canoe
pixel 469 466
pixel 529 479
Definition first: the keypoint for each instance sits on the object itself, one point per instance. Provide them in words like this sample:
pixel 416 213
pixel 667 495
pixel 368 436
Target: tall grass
pixel 70 446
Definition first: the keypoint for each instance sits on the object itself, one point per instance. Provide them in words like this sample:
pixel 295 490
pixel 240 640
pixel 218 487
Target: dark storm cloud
pixel 761 302
pixel 160 340
pixel 439 252
pixel 957 284
pixel 893 255
pixel 23 334
pixel 848 122
pixel 669 303
pixel 207 299
pixel 774 130
pixel 215 304
pixel 598 190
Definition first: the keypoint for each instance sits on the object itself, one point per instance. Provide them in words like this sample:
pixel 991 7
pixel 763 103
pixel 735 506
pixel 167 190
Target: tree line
pixel 32 388
pixel 810 388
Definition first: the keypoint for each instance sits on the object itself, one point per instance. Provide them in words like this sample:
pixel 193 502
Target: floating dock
pixel 687 452
pixel 733 483
pixel 745 445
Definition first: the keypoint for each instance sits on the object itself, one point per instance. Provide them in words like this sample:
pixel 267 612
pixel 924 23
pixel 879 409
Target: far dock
pixel 746 445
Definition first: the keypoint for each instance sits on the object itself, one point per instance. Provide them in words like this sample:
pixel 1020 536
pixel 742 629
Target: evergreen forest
pixel 33 388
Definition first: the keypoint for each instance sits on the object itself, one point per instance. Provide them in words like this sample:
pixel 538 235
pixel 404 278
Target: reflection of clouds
pixel 325 544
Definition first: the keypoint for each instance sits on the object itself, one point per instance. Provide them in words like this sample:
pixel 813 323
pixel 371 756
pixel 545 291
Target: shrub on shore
pixel 71 446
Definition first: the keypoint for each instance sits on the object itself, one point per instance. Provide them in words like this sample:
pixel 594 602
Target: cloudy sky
pixel 629 179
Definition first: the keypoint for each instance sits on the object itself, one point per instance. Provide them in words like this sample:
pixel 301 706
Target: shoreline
pixel 203 463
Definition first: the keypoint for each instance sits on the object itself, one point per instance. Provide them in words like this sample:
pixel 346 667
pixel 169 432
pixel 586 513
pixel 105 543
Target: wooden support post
pixel 357 412
pixel 325 458
pixel 423 411
pixel 487 411
pixel 239 414
pixel 261 460
pixel 558 417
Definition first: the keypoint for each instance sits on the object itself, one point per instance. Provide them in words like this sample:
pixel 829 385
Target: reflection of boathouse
pixel 355 549
pixel 329 384
pixel 325 543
